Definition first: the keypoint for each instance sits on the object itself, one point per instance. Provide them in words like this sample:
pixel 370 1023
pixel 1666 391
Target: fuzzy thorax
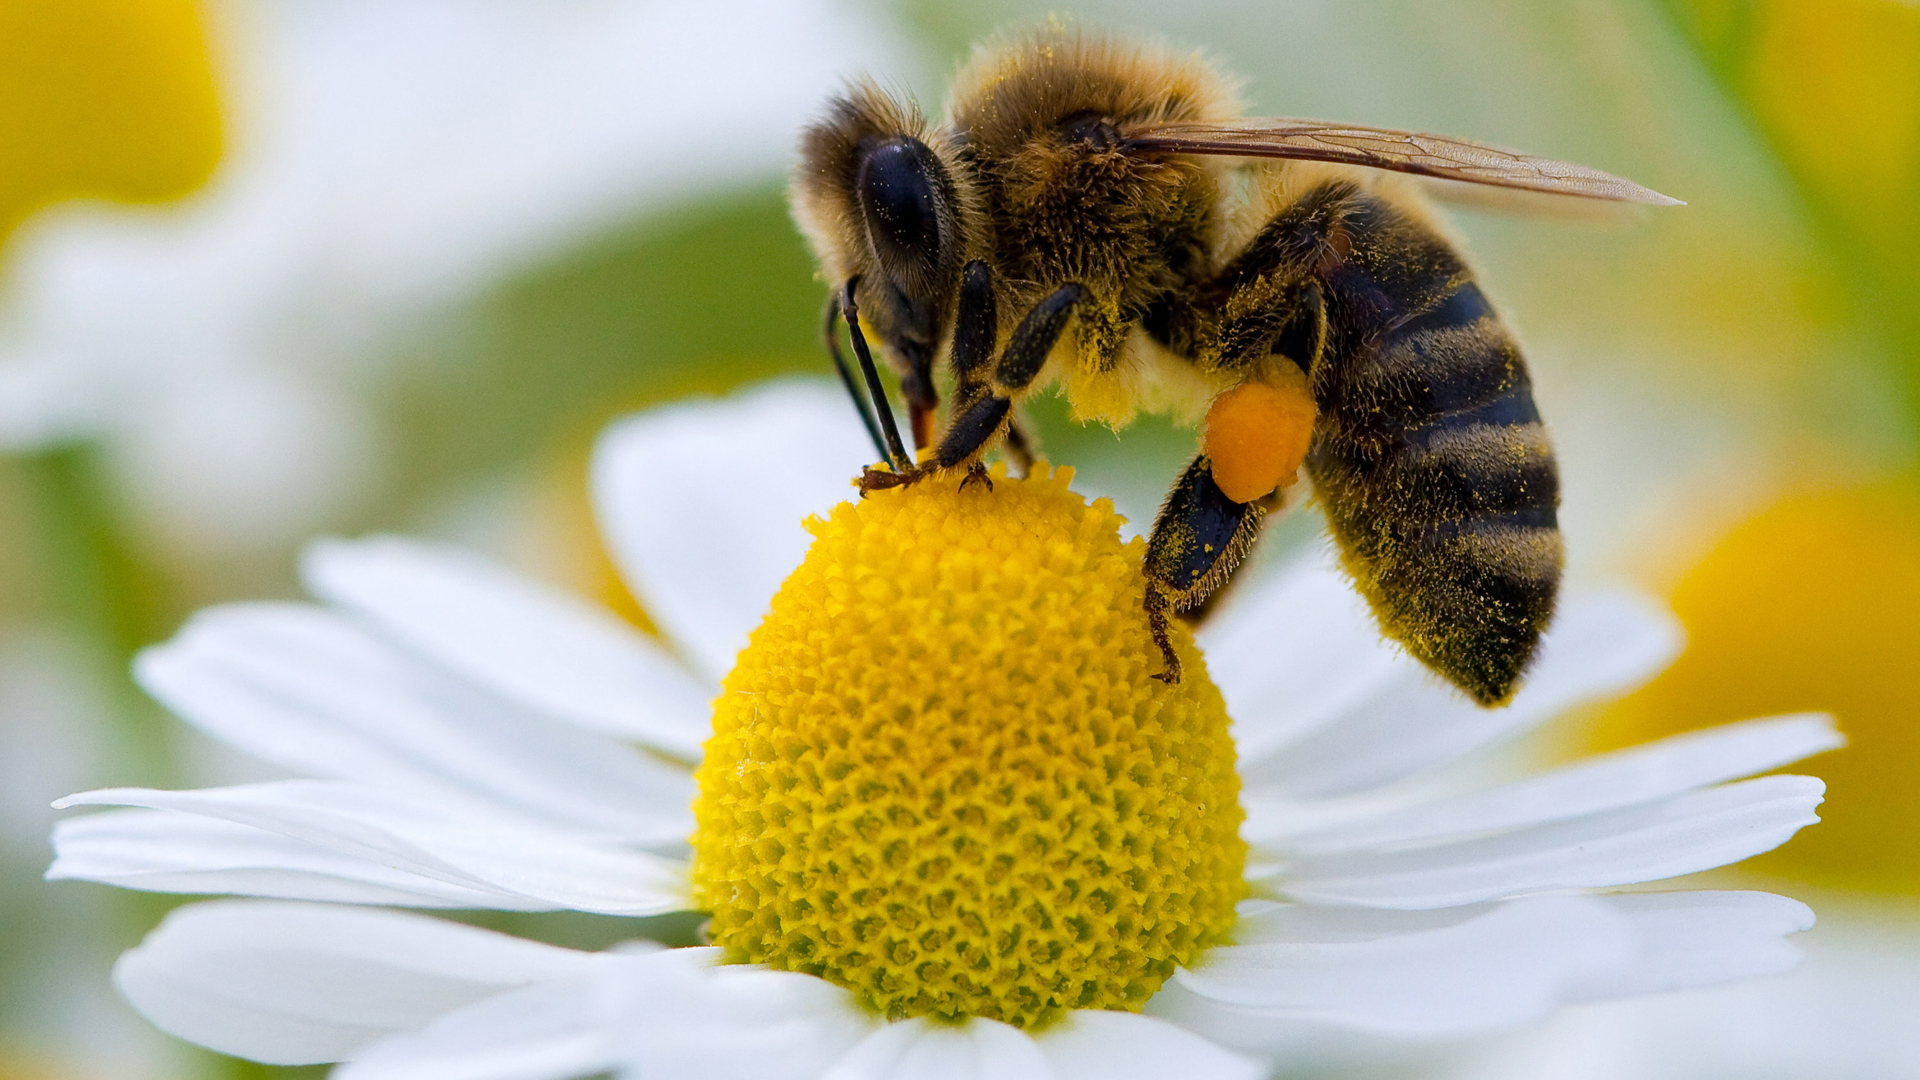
pixel 943 776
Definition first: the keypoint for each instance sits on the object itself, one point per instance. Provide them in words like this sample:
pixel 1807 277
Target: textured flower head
pixel 946 778
pixel 945 821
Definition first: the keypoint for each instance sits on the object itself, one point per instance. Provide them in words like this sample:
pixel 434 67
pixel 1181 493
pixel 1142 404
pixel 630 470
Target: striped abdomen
pixel 1437 476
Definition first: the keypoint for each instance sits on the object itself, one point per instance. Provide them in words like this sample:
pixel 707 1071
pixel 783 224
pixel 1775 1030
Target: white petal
pixel 517 860
pixel 305 688
pixel 1288 923
pixel 1606 782
pixel 920 1049
pixel 1093 1044
pixel 681 1015
pixel 701 504
pixel 547 1031
pixel 1599 646
pixel 1293 652
pixel 1702 938
pixel 299 983
pixel 1504 966
pixel 1696 831
pixel 1682 939
pixel 164 851
pixel 548 651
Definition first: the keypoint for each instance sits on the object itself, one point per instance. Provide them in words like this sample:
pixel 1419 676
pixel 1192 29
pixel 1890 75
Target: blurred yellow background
pixel 104 99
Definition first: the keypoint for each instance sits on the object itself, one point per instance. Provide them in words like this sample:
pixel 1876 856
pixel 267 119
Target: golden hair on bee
pixel 1041 116
pixel 1096 211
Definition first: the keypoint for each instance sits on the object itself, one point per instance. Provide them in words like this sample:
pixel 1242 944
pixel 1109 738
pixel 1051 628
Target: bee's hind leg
pixel 1199 539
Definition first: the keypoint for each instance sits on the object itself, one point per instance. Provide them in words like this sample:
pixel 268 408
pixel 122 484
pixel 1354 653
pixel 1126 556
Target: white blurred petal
pixel 553 653
pixel 682 1014
pixel 41 402
pixel 1292 652
pixel 1696 831
pixel 546 122
pixel 701 504
pixel 1408 722
pixel 547 1031
pixel 299 983
pixel 1500 967
pixel 1294 923
pixel 305 688
pixel 1682 939
pixel 518 860
pixel 166 851
pixel 1098 1044
pixel 1604 782
pixel 921 1049
pixel 245 458
pixel 1692 939
pixel 1845 1014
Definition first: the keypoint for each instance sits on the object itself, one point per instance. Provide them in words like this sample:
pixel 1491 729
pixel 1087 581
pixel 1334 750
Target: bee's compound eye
pixel 900 199
pixel 1091 128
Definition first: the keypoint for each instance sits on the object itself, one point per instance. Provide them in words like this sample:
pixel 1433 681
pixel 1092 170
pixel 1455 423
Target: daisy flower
pixel 945 821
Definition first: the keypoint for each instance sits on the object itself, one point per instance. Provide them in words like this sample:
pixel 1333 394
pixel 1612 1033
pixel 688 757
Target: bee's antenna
pixel 896 451
pixel 846 376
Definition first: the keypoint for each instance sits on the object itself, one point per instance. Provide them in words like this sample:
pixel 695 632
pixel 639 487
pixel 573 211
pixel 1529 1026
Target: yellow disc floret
pixel 943 776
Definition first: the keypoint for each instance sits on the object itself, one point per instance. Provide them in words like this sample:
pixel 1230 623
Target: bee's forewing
pixel 1400 151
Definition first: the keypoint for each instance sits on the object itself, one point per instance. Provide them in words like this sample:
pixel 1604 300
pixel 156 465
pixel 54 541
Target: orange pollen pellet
pixel 1257 435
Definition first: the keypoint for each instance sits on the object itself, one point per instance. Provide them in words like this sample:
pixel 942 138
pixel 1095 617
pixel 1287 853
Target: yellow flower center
pixel 943 776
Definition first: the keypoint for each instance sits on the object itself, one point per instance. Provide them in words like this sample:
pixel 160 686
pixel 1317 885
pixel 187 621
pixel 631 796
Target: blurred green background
pixel 1733 385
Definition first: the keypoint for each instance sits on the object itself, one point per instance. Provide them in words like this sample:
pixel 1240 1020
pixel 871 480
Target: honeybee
pixel 1277 273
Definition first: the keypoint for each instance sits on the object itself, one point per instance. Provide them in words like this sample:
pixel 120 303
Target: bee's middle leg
pixel 973 338
pixel 976 422
pixel 1199 538
pixel 1019 447
pixel 982 408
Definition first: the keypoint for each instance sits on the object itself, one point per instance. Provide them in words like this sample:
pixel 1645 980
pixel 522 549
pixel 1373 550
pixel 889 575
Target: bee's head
pixel 882 198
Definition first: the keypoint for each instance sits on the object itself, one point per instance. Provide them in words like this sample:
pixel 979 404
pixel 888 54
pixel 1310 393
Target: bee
pixel 1097 212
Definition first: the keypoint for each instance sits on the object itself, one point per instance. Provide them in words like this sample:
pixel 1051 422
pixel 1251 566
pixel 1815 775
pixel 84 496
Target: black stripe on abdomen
pixel 1439 478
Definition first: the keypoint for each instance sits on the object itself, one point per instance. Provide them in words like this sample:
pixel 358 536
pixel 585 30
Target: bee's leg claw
pixel 872 479
pixel 976 474
pixel 1157 605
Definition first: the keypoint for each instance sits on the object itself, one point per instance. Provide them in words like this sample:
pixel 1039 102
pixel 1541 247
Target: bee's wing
pixel 1401 151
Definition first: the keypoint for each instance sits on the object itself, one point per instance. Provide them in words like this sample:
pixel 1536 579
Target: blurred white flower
pixel 469 737
pixel 387 157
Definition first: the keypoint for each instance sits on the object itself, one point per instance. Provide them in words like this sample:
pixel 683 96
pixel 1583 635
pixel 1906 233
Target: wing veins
pixel 1418 153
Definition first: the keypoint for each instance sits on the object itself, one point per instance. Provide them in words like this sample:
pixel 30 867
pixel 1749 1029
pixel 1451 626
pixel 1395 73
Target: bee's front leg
pixel 974 329
pixel 1199 538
